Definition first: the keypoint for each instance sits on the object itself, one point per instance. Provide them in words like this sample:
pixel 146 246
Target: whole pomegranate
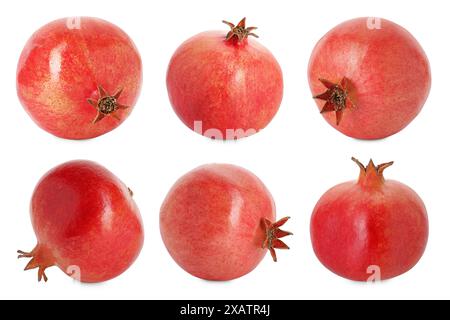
pixel 370 229
pixel 370 78
pixel 86 223
pixel 218 221
pixel 225 86
pixel 79 78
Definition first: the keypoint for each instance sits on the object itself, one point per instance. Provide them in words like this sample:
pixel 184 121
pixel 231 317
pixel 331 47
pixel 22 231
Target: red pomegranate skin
pixel 388 72
pixel 211 221
pixel 232 87
pixel 63 65
pixel 370 222
pixel 84 216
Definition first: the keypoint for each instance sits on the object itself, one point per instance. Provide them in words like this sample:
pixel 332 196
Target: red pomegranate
pixel 86 223
pixel 370 78
pixel 217 222
pixel 225 86
pixel 369 226
pixel 79 78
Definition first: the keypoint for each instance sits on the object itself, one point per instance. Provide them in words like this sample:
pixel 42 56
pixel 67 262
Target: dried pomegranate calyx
pixel 239 31
pixel 106 104
pixel 336 97
pixel 130 192
pixel 273 235
pixel 371 175
pixel 40 258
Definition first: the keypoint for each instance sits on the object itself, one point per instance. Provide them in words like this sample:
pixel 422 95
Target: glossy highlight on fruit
pixel 79 78
pixel 369 229
pixel 86 223
pixel 225 85
pixel 369 77
pixel 218 221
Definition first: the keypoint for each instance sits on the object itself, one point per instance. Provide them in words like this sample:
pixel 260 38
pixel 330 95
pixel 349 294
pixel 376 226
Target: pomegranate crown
pixel 371 175
pixel 239 32
pixel 273 236
pixel 337 98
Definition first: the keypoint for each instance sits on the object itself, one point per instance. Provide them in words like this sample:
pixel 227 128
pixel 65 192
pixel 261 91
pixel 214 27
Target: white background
pixel 299 156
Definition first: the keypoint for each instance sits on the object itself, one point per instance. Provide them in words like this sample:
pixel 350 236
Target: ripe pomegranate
pixel 225 86
pixel 86 223
pixel 369 229
pixel 217 222
pixel 370 78
pixel 79 78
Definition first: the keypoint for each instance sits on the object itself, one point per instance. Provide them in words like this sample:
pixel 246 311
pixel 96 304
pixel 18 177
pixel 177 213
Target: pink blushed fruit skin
pixel 225 85
pixel 388 70
pixel 211 219
pixel 86 222
pixel 62 66
pixel 369 227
